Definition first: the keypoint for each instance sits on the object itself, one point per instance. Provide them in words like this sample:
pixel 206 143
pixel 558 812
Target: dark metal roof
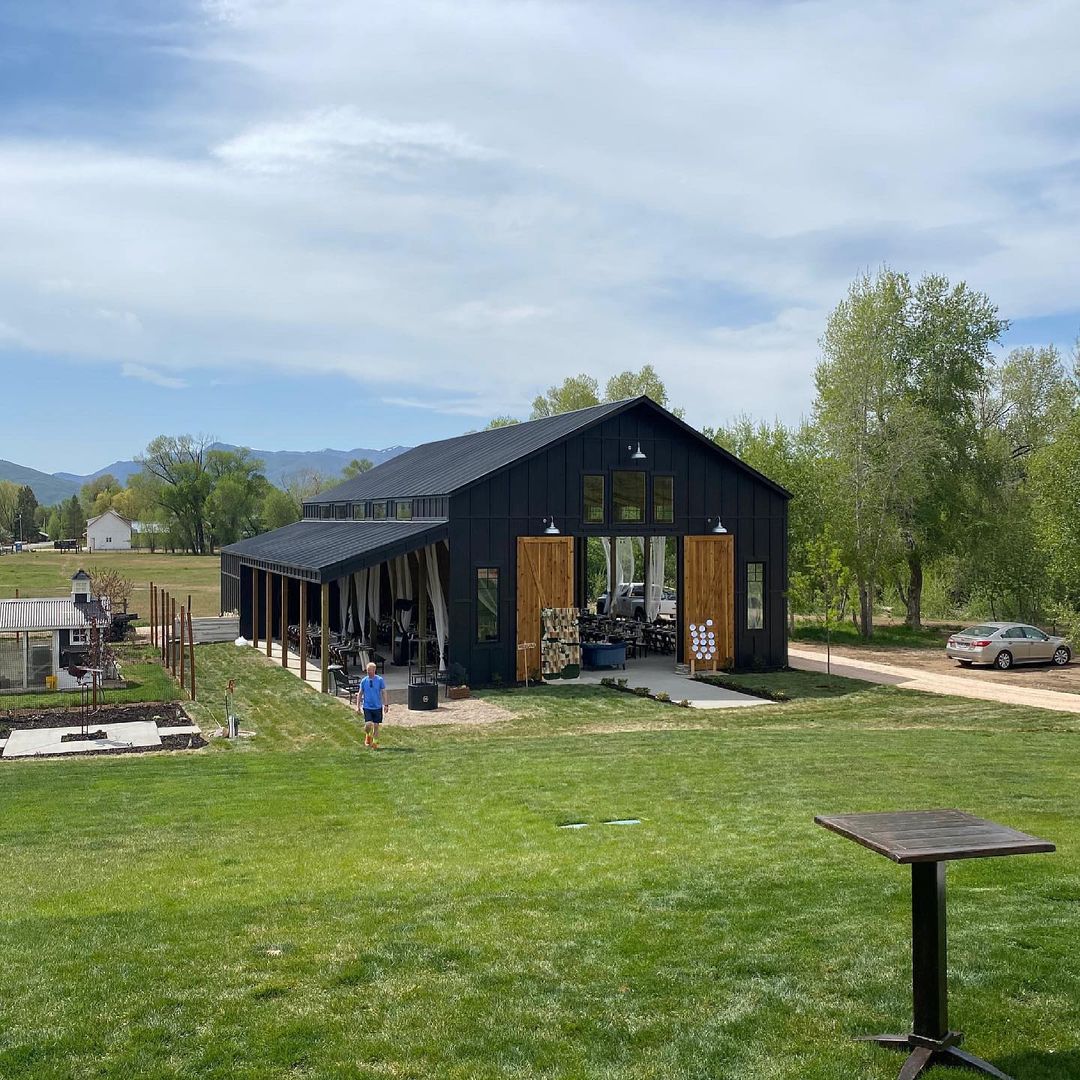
pixel 438 468
pixel 326 550
pixel 59 613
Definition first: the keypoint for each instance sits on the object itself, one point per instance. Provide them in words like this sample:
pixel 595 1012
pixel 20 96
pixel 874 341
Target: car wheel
pixel 1004 660
pixel 1062 656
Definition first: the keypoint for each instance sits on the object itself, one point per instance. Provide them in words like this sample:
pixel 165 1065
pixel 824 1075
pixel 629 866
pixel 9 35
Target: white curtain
pixel 607 561
pixel 360 581
pixel 624 560
pixel 343 603
pixel 401 581
pixel 657 558
pixel 374 593
pixel 438 598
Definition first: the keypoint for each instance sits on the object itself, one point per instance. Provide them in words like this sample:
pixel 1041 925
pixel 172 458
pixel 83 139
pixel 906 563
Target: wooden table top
pixel 932 835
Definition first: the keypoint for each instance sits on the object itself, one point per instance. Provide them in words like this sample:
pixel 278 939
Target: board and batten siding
pixel 487 519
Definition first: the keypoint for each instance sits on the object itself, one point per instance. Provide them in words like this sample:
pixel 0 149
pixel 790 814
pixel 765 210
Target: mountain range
pixel 50 488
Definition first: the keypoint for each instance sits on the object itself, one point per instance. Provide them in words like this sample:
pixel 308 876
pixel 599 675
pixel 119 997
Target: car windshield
pixel 980 631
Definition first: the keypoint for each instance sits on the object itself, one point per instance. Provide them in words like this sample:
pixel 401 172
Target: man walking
pixel 373 699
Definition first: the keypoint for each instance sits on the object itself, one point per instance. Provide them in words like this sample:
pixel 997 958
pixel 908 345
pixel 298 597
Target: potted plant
pixel 457 687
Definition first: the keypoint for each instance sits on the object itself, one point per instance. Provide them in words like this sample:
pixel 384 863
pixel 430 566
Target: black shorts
pixel 373 716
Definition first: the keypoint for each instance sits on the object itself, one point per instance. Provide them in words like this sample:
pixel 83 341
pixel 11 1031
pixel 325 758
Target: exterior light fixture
pixel 638 454
pixel 552 529
pixel 718 529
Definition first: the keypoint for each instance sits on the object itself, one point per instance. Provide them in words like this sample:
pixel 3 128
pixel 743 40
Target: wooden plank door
pixel 545 578
pixel 709 592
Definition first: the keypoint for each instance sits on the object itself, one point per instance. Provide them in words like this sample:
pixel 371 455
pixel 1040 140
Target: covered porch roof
pixel 323 551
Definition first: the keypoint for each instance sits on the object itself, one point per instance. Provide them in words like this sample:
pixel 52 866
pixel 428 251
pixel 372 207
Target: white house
pixel 108 532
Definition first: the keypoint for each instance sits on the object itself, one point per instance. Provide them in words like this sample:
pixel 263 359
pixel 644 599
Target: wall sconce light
pixel 638 454
pixel 552 529
pixel 718 529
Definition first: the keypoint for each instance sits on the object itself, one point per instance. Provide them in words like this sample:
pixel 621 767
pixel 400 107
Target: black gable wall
pixel 487 518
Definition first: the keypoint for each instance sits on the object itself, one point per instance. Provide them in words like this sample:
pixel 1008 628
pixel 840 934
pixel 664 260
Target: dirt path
pixel 921 669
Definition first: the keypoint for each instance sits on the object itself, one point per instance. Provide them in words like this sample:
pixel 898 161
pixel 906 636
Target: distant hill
pixel 47 489
pixel 278 465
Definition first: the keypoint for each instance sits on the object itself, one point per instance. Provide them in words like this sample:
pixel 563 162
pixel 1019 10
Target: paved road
pixel 913 679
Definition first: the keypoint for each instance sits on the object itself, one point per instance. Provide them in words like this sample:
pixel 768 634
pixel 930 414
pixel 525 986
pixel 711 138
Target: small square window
pixel 755 596
pixel 628 489
pixel 378 510
pixel 403 511
pixel 359 511
pixel 663 499
pixel 593 499
pixel 324 511
pixel 341 511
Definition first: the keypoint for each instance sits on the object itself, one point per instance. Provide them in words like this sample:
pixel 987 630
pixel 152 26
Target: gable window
pixel 79 637
pixel 378 509
pixel 628 489
pixel 487 603
pixel 592 493
pixel 755 596
pixel 663 499
pixel 404 511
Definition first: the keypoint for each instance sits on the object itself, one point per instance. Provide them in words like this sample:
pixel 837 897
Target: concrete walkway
pixel 906 678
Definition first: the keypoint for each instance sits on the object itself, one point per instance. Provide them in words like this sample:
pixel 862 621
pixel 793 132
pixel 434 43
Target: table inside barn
pixel 927 840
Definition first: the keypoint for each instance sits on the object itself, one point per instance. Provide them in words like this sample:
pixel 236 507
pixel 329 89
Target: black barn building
pixel 490 527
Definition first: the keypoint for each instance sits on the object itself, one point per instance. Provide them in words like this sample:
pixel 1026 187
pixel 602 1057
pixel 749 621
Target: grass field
pixel 845 635
pixel 297 907
pixel 48 573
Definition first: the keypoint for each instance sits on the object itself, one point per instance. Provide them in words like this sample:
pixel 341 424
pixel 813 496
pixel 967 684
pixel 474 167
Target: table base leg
pixel 924 1053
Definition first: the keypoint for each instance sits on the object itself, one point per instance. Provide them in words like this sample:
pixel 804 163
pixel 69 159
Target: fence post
pixel 191 648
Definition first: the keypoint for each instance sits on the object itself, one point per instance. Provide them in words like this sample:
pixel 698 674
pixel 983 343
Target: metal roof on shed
pixel 438 468
pixel 59 613
pixel 326 550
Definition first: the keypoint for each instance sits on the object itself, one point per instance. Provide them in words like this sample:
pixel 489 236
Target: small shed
pixel 40 638
pixel 110 531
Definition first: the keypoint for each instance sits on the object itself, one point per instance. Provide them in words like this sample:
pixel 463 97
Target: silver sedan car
pixel 1005 643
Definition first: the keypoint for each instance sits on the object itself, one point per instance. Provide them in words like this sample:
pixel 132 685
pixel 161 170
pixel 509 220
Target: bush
pixel 456 675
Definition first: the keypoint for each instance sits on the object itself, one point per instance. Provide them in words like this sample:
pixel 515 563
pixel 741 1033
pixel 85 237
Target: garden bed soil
pixel 166 715
pixel 1036 676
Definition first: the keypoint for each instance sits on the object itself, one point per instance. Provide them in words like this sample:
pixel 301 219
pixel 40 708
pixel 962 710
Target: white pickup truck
pixel 630 602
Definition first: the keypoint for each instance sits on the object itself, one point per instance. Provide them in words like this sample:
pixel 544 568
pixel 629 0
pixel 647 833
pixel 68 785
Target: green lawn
pixel 845 635
pixel 48 573
pixel 298 907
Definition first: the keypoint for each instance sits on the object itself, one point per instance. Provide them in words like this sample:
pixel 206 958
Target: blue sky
pixel 298 225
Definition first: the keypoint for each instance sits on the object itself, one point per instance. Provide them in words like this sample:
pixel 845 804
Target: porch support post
pixel 284 621
pixel 303 629
pixel 269 611
pixel 255 607
pixel 611 576
pixel 324 635
pixel 646 553
pixel 422 609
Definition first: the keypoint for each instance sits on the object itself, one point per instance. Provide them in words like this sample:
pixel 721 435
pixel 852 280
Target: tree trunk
pixel 913 600
pixel 866 610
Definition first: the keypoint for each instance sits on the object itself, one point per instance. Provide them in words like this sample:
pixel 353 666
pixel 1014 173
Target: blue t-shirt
pixel 372 690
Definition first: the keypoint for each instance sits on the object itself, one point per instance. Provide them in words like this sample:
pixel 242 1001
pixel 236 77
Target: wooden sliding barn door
pixel 709 591
pixel 545 578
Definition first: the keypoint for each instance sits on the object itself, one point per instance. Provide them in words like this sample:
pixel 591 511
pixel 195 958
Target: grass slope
pixel 296 907
pixel 48 573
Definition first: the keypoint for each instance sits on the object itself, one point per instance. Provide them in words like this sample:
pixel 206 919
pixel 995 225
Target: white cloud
pixel 156 378
pixel 463 203
pixel 343 137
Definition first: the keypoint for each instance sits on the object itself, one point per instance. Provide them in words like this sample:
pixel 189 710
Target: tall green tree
pixel 178 463
pixel 26 506
pixel 97 495
pixel 356 467
pixel 234 506
pixel 574 392
pixel 9 501
pixel 72 519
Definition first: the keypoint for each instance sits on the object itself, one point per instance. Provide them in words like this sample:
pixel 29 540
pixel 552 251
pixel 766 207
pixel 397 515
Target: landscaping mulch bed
pixel 166 714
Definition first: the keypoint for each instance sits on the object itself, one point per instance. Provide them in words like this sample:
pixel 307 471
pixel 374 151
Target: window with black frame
pixel 628 496
pixel 755 596
pixel 404 511
pixel 341 511
pixel 359 511
pixel 663 499
pixel 592 497
pixel 378 510
pixel 487 603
